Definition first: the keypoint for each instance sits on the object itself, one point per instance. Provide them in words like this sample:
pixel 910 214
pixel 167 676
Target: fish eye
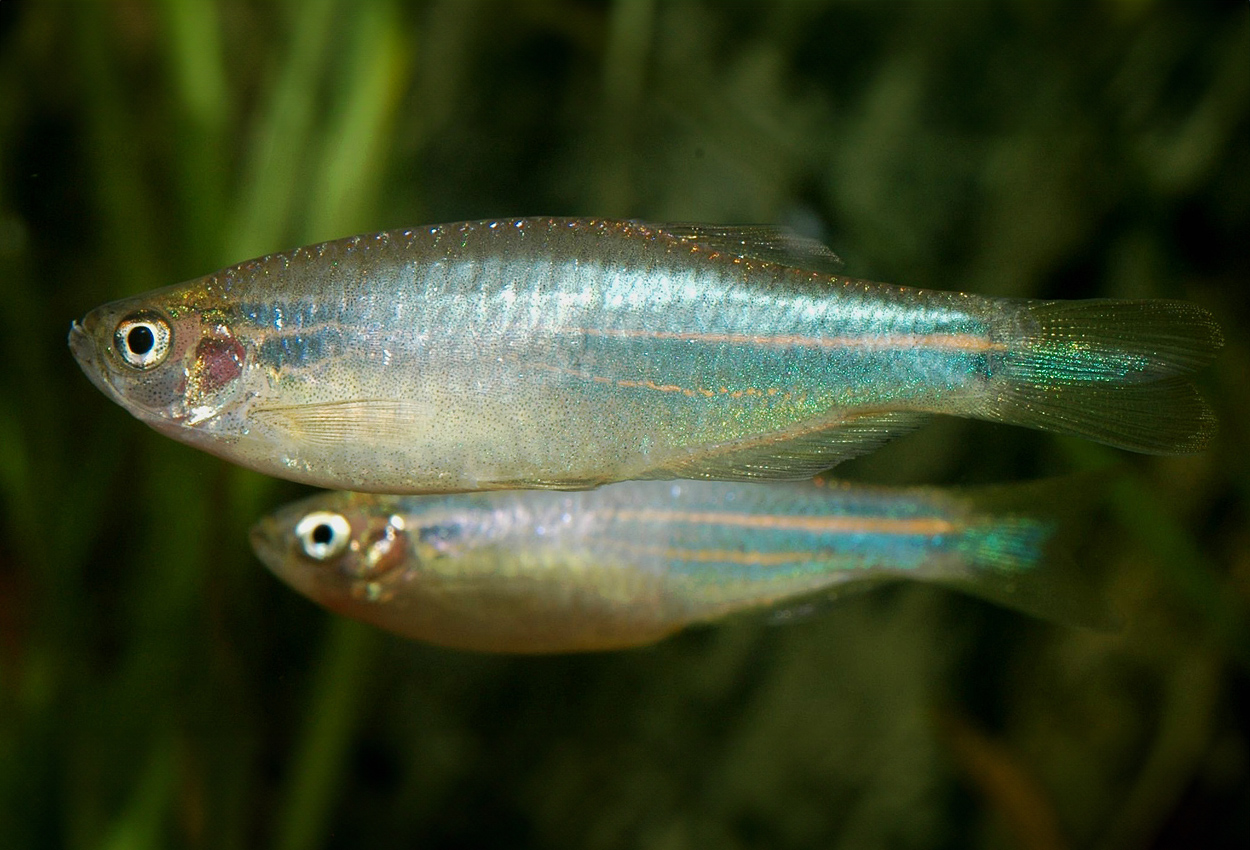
pixel 142 340
pixel 323 534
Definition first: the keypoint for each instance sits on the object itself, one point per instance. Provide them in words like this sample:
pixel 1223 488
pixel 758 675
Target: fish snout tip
pixel 81 344
pixel 265 541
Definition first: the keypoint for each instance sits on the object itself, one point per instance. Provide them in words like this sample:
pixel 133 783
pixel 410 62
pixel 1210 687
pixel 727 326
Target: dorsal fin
pixel 765 242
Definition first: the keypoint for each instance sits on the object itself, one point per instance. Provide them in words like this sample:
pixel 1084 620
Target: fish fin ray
pixel 761 242
pixel 1016 550
pixel 795 456
pixel 384 422
pixel 1109 371
pixel 541 483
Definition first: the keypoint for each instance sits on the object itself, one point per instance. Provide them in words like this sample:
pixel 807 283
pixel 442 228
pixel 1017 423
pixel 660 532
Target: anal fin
pixel 795 455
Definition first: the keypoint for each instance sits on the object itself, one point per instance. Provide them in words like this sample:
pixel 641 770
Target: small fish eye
pixel 142 340
pixel 323 534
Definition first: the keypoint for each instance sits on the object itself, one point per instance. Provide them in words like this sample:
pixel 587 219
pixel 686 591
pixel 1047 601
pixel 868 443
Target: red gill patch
pixel 217 363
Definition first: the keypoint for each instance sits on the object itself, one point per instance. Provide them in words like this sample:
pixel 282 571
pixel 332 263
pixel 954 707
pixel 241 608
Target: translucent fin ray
pixel 382 421
pixel 790 456
pixel 761 242
pixel 1110 371
pixel 1016 551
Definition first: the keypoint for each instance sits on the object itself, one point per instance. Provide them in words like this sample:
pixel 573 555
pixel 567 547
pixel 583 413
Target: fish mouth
pixel 269 544
pixel 264 538
pixel 81 345
pixel 92 360
pixel 271 547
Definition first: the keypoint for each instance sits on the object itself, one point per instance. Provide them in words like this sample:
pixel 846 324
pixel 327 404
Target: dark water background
pixel 159 689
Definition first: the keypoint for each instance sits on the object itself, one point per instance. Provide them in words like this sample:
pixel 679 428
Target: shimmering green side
pixel 567 353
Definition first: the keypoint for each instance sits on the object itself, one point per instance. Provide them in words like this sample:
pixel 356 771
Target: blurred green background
pixel 159 689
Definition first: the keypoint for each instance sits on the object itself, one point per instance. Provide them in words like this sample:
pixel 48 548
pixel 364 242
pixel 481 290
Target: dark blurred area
pixel 159 688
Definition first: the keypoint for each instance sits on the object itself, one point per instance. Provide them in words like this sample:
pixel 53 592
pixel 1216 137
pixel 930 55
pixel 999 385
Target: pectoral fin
pixel 378 422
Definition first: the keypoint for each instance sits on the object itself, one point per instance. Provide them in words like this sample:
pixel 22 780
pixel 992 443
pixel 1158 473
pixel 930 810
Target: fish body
pixel 629 563
pixel 567 353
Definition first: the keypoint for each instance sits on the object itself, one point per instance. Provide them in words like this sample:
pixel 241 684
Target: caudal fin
pixel 1110 371
pixel 1015 549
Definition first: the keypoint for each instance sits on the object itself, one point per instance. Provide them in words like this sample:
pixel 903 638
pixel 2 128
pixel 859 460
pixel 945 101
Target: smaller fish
pixel 631 563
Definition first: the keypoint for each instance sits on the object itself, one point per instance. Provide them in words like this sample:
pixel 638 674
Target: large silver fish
pixel 630 563
pixel 567 353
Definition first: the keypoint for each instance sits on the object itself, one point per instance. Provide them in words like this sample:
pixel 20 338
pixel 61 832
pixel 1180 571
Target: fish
pixel 630 563
pixel 568 353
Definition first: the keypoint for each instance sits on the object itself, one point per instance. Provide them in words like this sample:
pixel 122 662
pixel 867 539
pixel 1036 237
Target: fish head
pixel 170 358
pixel 343 550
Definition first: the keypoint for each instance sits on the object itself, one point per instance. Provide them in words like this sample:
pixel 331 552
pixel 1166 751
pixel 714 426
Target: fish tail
pixel 1014 548
pixel 1110 371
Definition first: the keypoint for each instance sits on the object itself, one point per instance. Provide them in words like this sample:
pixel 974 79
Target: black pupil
pixel 322 534
pixel 140 340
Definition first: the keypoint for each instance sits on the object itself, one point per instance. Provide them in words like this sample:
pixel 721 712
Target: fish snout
pixel 266 542
pixel 81 345
pixel 86 350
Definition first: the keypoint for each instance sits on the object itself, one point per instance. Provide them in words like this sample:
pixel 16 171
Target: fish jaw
pixel 274 541
pixel 82 344
pixel 83 347
pixel 271 548
pixel 273 545
pixel 264 539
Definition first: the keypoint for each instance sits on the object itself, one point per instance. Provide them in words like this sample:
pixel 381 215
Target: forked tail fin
pixel 1015 549
pixel 1110 371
